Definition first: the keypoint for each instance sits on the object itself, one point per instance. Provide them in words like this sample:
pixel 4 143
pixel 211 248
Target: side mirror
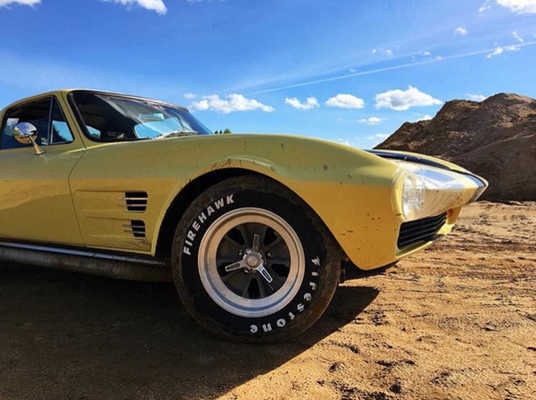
pixel 23 132
pixel 26 133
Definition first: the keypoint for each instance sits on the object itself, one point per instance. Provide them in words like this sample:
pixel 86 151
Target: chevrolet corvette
pixel 254 230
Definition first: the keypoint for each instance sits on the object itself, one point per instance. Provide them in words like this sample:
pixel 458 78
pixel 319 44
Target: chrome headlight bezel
pixel 428 191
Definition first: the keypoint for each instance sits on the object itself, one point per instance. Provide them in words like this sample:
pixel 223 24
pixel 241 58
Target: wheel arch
pixel 193 189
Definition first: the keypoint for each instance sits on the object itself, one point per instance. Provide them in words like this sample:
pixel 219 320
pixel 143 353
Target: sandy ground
pixel 457 321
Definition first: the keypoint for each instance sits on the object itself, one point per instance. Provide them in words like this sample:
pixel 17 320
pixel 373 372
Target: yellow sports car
pixel 254 230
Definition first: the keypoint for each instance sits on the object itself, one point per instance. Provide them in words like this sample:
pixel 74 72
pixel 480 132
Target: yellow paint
pixel 356 194
pixel 36 202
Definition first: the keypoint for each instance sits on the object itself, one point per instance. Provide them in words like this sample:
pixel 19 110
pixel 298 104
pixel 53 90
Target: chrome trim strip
pixel 407 157
pixel 83 253
pixel 418 160
pixel 478 182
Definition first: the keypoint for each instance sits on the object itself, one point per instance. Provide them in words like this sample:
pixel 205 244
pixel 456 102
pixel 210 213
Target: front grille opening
pixel 421 230
pixel 136 201
pixel 138 228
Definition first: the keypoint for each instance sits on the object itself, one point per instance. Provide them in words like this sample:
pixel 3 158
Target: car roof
pixel 67 91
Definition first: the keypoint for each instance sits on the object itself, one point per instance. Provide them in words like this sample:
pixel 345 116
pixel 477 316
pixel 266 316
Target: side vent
pixel 136 201
pixel 137 228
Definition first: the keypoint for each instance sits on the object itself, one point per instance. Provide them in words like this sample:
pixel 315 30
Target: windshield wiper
pixel 175 134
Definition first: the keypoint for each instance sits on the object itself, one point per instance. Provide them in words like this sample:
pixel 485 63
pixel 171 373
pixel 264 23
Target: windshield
pixel 114 118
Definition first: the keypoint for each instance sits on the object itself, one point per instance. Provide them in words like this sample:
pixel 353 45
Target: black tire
pixel 322 261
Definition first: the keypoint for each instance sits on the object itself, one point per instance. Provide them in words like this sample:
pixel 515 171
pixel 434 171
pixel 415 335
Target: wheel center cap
pixel 252 260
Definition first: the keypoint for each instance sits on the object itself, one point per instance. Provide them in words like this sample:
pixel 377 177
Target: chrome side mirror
pixel 26 133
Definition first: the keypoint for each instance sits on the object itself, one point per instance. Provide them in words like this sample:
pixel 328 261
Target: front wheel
pixel 252 263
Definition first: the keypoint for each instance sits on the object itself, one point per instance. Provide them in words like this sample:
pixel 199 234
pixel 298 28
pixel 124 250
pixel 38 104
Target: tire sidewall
pixel 317 281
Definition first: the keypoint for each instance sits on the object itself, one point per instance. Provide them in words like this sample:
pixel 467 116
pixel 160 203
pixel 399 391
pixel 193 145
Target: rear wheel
pixel 252 263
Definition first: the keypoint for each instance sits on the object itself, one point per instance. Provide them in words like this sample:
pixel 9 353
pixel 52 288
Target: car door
pixel 35 198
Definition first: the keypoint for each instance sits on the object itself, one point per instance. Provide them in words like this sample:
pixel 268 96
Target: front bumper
pixel 442 208
pixel 362 209
pixel 439 212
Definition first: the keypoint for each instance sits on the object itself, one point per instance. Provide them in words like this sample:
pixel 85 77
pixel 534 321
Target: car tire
pixel 252 263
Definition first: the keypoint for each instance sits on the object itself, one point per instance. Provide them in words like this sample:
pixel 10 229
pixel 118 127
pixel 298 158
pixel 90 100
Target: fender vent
pixel 137 228
pixel 136 201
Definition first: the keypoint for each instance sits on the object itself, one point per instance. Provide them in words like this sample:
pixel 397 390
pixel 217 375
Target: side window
pixel 60 130
pixel 36 113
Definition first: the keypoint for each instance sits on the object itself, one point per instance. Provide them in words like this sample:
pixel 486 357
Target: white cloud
pixel 387 52
pixel 519 6
pixel 233 102
pixel 154 5
pixel 401 100
pixel 460 31
pixel 517 37
pixel 426 53
pixel 500 50
pixel 310 102
pixel 381 136
pixel 425 117
pixel 476 97
pixel 372 140
pixel 484 6
pixel 344 141
pixel 345 101
pixel 190 96
pixel 370 120
pixel 22 2
pixel 363 142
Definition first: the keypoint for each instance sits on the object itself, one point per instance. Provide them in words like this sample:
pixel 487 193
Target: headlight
pixel 412 196
pixel 428 191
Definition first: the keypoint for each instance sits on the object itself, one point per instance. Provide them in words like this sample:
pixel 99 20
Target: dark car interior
pixel 102 121
pixel 115 118
pixel 36 113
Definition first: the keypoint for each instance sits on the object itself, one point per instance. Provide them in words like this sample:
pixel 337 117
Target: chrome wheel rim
pixel 251 262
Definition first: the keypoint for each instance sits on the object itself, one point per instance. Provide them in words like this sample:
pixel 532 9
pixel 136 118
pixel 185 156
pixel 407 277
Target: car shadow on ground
pixel 72 336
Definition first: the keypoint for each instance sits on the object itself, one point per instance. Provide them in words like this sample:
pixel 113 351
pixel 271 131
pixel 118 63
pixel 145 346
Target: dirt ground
pixel 457 321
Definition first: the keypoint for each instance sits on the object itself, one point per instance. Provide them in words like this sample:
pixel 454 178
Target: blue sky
pixel 347 70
